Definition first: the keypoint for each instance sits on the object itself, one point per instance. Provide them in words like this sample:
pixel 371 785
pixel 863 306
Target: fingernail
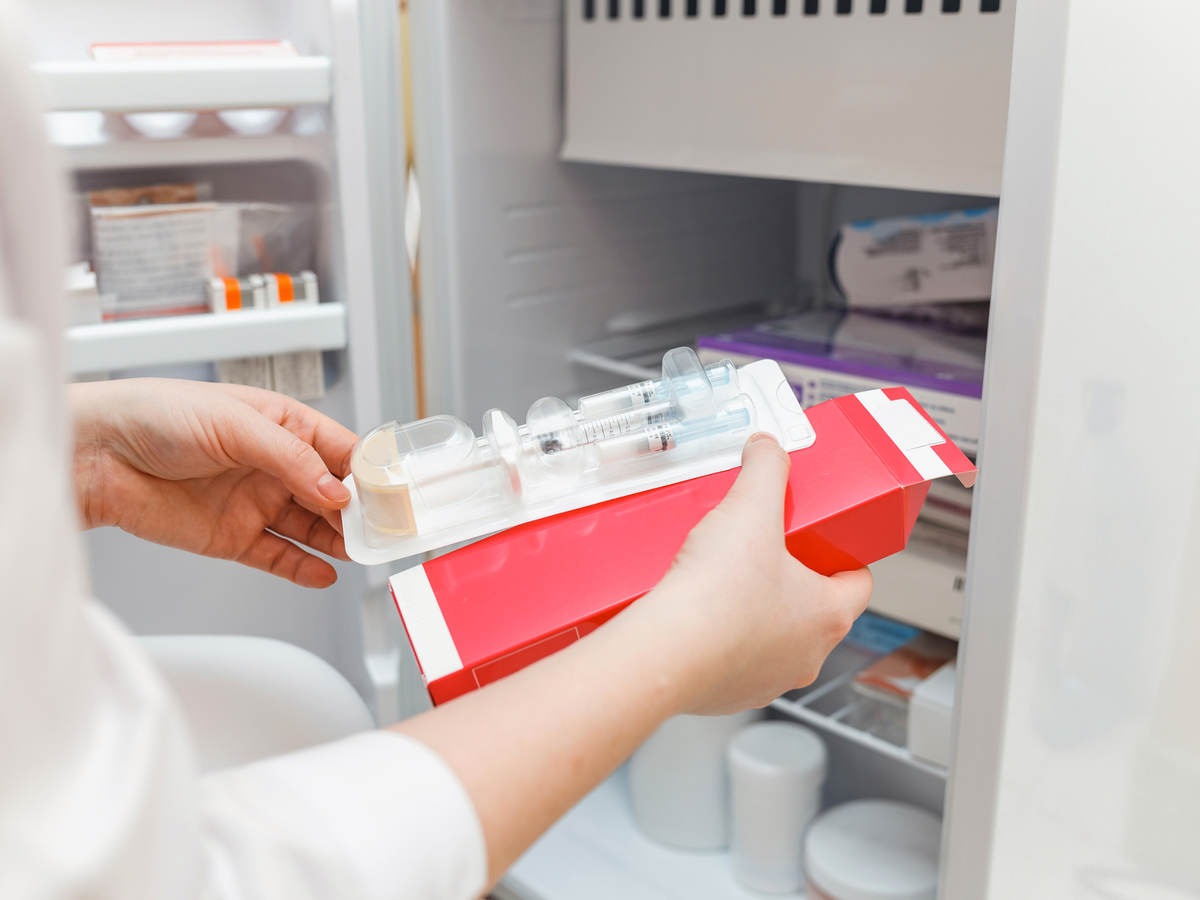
pixel 318 580
pixel 761 436
pixel 333 489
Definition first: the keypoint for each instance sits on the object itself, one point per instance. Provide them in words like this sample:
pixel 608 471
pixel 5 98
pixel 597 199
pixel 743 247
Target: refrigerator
pixel 521 198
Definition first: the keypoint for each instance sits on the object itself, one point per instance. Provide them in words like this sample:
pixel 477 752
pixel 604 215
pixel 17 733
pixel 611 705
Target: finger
pixel 259 443
pixel 762 484
pixel 273 554
pixel 333 442
pixel 854 588
pixel 309 529
pixel 332 516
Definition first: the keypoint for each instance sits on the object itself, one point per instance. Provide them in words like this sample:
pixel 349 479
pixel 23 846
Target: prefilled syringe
pixel 644 393
pixel 624 422
pixel 567 432
pixel 733 421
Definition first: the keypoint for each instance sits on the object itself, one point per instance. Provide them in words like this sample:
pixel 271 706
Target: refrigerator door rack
pixel 204 337
pixel 314 127
pixel 152 85
pixel 181 103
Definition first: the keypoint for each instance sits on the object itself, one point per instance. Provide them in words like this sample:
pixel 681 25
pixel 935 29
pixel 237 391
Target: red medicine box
pixel 492 608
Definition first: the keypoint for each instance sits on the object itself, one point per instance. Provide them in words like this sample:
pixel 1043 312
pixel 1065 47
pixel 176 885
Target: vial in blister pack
pixel 414 477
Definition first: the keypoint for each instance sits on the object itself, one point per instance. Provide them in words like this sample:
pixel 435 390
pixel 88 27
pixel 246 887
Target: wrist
pixel 90 453
pixel 664 645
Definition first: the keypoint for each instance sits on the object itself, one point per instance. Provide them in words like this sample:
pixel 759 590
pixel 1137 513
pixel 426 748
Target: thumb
pixel 261 444
pixel 762 484
pixel 854 588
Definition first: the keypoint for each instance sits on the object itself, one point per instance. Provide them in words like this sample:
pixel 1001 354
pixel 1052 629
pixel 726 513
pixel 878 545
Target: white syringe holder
pixel 421 486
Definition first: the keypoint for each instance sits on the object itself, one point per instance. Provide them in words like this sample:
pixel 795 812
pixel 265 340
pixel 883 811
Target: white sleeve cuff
pixel 377 815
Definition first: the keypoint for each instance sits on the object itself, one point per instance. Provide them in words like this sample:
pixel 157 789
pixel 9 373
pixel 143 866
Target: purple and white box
pixel 831 354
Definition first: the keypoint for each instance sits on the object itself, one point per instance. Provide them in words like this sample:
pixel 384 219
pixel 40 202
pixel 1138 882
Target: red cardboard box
pixel 492 608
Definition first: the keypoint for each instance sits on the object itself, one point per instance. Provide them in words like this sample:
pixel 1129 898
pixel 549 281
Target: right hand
pixel 749 621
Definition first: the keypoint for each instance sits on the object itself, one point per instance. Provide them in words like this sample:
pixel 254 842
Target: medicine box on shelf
pixel 925 584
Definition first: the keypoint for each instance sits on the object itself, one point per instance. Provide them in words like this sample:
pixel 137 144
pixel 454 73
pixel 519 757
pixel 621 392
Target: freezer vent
pixel 893 93
pixel 719 9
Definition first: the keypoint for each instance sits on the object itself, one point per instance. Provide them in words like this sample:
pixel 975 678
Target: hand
pixel 750 622
pixel 220 470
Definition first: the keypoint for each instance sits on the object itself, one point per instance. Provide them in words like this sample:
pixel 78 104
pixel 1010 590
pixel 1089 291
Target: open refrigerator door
pixel 270 130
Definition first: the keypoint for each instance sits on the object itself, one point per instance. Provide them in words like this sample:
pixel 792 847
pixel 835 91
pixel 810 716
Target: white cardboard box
pixel 910 260
pixel 924 584
pixel 931 717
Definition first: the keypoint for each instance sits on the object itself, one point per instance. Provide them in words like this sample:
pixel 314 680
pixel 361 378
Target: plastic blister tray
pixel 425 485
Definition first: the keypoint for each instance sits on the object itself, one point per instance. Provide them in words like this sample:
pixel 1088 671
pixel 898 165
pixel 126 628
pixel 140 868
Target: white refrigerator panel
pixel 901 94
pixel 1077 769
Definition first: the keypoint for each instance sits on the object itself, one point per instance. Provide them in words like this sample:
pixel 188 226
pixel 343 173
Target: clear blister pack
pixel 420 486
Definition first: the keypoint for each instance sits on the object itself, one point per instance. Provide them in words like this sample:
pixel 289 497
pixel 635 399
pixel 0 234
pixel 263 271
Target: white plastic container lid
pixel 781 749
pixel 874 850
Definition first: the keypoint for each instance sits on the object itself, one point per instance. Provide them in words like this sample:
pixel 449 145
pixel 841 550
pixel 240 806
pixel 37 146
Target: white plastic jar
pixel 776 773
pixel 678 784
pixel 873 850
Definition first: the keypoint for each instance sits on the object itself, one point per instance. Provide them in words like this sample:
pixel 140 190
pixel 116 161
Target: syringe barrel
pixel 624 422
pixel 644 393
pixel 732 424
pixel 619 400
pixel 644 442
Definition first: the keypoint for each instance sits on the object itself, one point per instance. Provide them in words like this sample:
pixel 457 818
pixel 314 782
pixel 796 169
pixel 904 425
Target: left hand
pixel 220 470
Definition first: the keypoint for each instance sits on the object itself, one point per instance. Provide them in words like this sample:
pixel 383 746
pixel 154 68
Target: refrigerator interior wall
pixel 337 154
pixel 524 257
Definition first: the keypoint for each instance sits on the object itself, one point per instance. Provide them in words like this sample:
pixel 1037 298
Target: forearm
pixel 529 747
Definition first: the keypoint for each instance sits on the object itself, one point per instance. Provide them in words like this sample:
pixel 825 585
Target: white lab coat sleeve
pixel 376 815
pixel 102 798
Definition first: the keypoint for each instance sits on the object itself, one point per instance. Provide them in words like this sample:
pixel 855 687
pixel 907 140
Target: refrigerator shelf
pixel 146 85
pixel 203 337
pixel 637 353
pixel 832 705
pixel 637 366
pixel 103 152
